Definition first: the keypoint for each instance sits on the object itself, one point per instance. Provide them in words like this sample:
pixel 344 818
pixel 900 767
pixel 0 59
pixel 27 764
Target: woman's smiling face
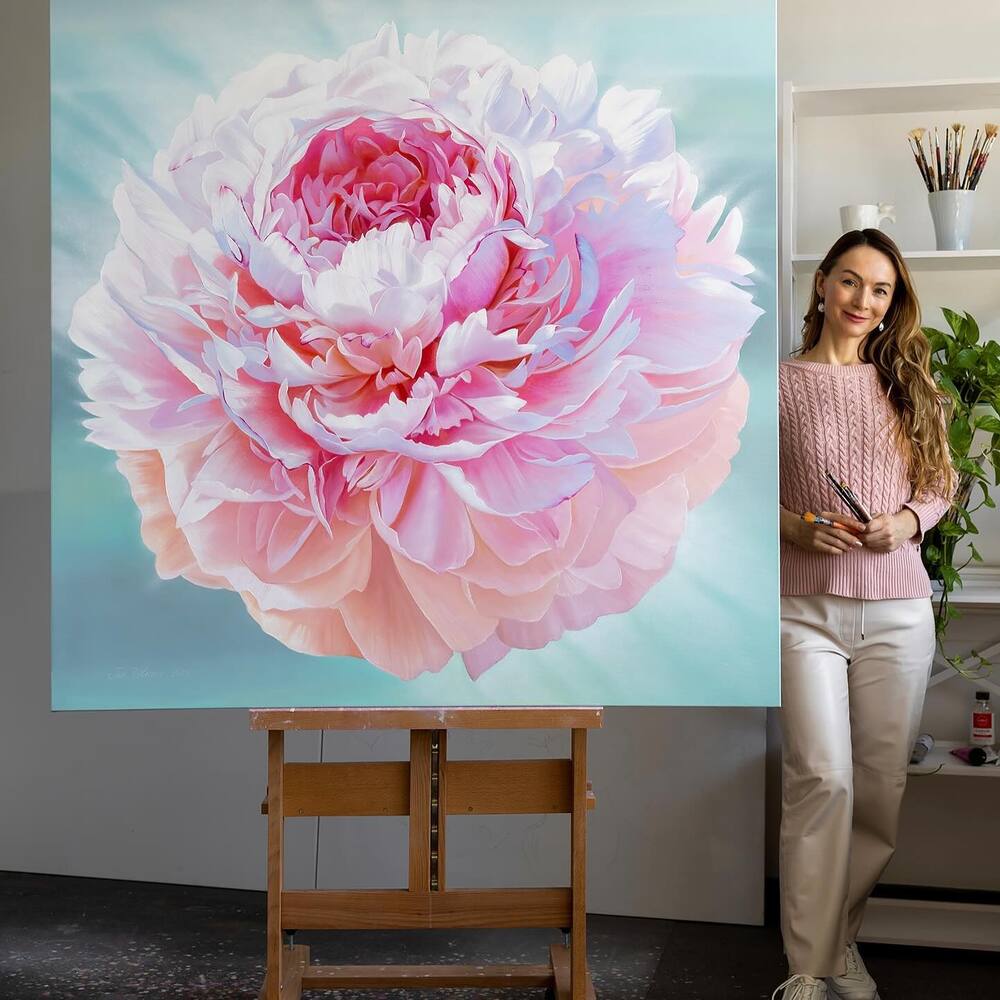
pixel 857 292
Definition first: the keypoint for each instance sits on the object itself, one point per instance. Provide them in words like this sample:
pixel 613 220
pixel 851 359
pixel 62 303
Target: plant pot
pixel 952 215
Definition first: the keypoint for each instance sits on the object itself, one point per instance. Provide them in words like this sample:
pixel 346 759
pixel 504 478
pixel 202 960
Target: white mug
pixel 865 216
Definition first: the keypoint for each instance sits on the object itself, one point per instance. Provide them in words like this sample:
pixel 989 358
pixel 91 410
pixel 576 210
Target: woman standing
pixel 857 626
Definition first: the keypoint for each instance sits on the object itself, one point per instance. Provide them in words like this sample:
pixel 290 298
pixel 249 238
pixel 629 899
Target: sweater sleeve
pixel 928 511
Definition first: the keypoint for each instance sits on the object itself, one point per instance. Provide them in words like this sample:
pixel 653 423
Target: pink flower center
pixel 370 175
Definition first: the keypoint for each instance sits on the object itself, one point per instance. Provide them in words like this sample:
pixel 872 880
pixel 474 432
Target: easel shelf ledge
pixel 478 717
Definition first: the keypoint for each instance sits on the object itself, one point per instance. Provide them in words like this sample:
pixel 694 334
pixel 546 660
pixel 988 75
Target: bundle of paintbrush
pixel 946 173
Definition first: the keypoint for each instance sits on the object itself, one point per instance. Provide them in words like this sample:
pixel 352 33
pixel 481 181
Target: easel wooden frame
pixel 426 788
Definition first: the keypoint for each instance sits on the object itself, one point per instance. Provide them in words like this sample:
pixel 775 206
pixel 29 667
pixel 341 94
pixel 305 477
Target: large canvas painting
pixel 413 353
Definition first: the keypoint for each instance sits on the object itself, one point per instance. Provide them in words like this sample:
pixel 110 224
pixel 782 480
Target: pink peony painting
pixel 418 349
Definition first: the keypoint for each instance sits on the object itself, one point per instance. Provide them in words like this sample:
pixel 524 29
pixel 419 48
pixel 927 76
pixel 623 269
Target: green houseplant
pixel 969 371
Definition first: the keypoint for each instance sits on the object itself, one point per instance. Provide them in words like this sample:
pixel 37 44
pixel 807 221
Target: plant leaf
pixel 971 330
pixel 956 322
pixel 946 383
pixel 960 436
pixel 987 422
pixel 966 358
pixel 937 339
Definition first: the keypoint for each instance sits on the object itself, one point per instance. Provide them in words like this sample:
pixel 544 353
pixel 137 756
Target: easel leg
pixel 439 811
pixel 578 950
pixel 420 810
pixel 275 859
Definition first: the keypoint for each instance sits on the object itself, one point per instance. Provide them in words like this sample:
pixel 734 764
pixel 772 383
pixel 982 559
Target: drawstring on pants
pixel 862 618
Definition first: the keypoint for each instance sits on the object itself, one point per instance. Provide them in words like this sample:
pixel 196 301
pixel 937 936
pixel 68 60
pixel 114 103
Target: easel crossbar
pixel 403 909
pixel 475 788
pixel 341 977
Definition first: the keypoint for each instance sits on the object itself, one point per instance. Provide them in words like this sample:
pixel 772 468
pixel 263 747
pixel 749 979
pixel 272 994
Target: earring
pixel 881 327
pixel 821 307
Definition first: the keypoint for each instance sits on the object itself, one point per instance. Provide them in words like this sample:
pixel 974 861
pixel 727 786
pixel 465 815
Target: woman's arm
pixel 928 512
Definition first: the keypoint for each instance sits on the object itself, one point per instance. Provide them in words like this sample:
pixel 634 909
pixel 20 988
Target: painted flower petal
pixel 519 478
pixel 469 343
pixel 429 525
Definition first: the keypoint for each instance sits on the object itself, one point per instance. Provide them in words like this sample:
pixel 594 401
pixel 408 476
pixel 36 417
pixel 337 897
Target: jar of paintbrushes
pixel 951 187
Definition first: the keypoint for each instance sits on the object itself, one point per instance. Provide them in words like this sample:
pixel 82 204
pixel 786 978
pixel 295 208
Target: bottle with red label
pixel 983 728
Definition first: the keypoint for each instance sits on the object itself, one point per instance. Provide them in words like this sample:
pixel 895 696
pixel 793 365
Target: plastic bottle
pixel 983 728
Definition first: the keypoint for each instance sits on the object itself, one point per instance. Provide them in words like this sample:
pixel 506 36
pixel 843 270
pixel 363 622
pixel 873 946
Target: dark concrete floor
pixel 105 940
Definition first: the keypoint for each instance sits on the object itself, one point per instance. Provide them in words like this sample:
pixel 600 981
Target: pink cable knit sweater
pixel 838 417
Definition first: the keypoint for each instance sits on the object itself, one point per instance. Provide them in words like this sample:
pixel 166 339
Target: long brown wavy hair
pixel 901 353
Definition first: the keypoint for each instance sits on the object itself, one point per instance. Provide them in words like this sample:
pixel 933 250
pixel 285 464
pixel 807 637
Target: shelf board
pixel 975 596
pixel 899 98
pixel 941 761
pixel 921 260
pixel 981 588
pixel 931 924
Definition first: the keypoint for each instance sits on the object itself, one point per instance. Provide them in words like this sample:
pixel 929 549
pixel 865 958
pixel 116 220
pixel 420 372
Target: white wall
pixel 174 796
pixel 853 41
pixel 860 42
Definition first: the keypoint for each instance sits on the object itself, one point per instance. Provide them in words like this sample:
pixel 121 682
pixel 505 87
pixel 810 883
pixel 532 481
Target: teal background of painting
pixel 123 75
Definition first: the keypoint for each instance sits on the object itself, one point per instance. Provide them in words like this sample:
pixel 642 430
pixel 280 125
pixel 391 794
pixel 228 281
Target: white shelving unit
pixel 847 114
pixel 932 923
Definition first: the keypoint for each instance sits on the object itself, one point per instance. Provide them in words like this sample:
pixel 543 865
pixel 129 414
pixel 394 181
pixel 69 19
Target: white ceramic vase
pixel 952 215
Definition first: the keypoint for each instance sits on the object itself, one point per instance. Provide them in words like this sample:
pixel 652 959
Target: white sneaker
pixel 856 983
pixel 801 988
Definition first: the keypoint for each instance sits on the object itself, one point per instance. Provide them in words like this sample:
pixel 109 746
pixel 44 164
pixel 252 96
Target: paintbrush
pixel 973 153
pixel 937 157
pixel 916 159
pixel 917 136
pixel 947 158
pixel 911 140
pixel 959 136
pixel 926 157
pixel 981 162
pixel 920 166
pixel 991 134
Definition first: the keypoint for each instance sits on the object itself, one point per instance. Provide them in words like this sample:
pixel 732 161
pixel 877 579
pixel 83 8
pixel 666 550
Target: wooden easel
pixel 426 788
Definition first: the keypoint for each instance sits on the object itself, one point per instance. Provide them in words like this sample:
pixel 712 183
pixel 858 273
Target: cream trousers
pixel 853 677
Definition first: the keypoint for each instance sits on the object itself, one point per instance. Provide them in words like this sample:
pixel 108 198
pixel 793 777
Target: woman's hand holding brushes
pixel 829 532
